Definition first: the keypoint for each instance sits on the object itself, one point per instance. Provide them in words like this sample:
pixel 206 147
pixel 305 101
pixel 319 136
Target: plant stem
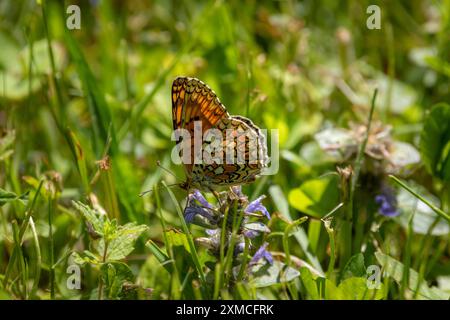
pixel 195 257
pixel 51 250
pixel 347 226
pixel 287 233
pixel 37 270
pixel 418 196
pixel 22 230
pixel 100 282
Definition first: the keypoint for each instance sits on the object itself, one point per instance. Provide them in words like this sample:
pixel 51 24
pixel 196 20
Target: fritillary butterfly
pixel 193 101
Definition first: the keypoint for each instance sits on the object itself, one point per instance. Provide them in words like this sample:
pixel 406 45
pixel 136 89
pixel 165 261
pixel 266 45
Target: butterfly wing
pixel 245 154
pixel 192 100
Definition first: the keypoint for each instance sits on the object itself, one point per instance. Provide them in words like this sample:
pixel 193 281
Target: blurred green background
pixel 298 67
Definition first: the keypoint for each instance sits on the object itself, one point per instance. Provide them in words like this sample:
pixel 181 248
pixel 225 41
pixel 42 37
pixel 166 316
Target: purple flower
pixel 251 233
pixel 262 253
pixel 212 232
pixel 214 241
pixel 237 190
pixel 192 211
pixel 239 248
pixel 387 203
pixel 197 205
pixel 256 206
pixel 196 195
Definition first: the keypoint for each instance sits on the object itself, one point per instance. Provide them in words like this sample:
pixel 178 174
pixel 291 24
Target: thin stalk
pixel 332 262
pixel 174 277
pixel 217 281
pixel 391 69
pixel 287 233
pixel 362 149
pixel 423 257
pixel 22 230
pixel 51 249
pixel 358 164
pixel 237 220
pixel 425 245
pixel 100 282
pixel 249 86
pixel 191 244
pixel 37 269
pixel 407 257
pixel 22 266
pixel 245 260
pixel 418 196
pixel 61 115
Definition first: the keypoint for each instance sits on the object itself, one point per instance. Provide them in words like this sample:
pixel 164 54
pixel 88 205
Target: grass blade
pixel 188 235
pixel 418 196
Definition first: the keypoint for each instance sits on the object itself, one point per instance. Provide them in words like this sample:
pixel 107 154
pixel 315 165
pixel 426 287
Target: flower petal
pixel 260 254
pixel 191 211
pixel 250 234
pixel 387 204
pixel 197 195
pixel 257 206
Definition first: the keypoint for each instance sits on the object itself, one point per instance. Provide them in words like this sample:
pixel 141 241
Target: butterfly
pixel 195 102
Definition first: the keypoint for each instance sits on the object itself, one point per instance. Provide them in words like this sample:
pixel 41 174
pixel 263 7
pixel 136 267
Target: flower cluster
pixel 234 214
pixel 383 156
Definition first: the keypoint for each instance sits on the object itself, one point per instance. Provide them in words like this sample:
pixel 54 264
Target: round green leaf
pixel 435 141
pixel 316 197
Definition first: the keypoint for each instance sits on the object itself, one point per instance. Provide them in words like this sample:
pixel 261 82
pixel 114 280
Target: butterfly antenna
pixel 158 163
pixel 143 193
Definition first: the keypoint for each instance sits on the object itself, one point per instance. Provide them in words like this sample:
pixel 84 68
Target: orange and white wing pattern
pixel 192 100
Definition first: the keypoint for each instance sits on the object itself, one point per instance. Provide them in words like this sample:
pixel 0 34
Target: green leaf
pixel 354 288
pixel 131 291
pixel 265 274
pixel 99 108
pixel 79 157
pixel 394 269
pixel 177 239
pixel 309 283
pixel 181 250
pixel 120 239
pixel 160 255
pixel 435 141
pixel 6 145
pixel 85 257
pixel 8 196
pixel 123 241
pixel 355 267
pixel 438 65
pixel 316 197
pixel 424 217
pixel 282 205
pixel 115 275
pixel 188 238
pixel 92 216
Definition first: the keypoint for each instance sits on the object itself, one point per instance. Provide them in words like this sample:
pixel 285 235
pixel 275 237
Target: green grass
pixel 85 115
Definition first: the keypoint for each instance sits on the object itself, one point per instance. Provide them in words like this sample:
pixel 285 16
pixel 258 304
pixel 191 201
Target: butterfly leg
pixel 216 194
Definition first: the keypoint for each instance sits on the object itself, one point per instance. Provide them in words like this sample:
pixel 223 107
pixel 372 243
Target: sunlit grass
pixel 86 114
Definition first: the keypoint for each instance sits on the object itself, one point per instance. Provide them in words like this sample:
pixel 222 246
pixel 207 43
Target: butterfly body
pixel 243 149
